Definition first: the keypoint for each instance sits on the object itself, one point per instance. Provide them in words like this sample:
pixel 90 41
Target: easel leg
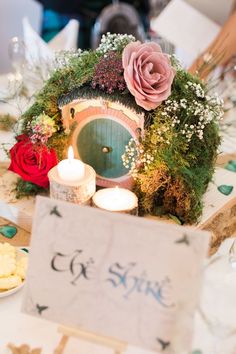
pixel 67 332
pixel 61 346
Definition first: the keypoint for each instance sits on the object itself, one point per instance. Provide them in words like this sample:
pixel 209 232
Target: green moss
pixel 178 176
pixel 59 142
pixel 181 171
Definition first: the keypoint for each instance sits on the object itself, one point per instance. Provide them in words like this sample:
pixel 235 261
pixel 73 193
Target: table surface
pixel 215 320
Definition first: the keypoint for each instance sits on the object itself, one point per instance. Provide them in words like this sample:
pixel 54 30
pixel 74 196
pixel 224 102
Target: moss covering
pixel 177 153
pixel 179 175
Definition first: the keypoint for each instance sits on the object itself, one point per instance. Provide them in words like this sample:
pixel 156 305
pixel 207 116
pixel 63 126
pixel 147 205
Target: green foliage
pixel 27 189
pixel 176 167
pixel 178 151
pixel 78 72
pixel 59 142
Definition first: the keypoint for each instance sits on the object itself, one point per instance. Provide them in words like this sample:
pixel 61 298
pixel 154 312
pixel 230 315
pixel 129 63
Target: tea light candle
pixel 72 180
pixel 116 199
pixel 71 169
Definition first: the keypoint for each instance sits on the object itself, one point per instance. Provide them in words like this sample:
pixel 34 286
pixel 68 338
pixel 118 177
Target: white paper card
pixel 185 27
pixel 217 10
pixel 116 275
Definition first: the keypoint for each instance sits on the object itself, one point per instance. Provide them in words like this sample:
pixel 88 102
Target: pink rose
pixel 148 73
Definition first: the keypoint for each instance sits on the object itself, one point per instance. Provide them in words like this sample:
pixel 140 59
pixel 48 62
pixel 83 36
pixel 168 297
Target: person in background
pixel 220 52
pixel 57 13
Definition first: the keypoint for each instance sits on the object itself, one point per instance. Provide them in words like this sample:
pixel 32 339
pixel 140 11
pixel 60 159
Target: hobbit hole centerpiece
pixel 132 113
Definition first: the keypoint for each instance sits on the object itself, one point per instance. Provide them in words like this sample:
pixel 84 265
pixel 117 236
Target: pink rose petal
pixel 148 73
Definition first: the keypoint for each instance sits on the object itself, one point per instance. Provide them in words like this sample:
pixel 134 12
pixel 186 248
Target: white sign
pixel 216 10
pixel 185 27
pixel 117 275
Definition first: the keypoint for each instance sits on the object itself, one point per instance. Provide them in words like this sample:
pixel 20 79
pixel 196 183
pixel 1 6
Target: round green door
pixel 101 143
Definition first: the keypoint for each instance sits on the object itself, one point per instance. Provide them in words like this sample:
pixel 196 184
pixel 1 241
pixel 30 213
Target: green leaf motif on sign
pixel 184 240
pixel 8 231
pixel 231 166
pixel 225 189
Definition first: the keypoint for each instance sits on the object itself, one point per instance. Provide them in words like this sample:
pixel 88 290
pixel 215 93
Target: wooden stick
pixel 116 345
pixel 61 346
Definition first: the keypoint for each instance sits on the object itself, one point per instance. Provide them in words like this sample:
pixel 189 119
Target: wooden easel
pixel 118 346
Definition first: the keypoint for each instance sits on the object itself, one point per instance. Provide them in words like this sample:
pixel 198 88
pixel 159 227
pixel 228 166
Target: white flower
pixel 113 42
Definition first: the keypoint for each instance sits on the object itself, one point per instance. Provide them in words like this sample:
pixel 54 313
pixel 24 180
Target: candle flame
pixel 70 153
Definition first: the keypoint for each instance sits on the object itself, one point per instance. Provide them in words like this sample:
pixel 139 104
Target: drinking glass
pixel 16 51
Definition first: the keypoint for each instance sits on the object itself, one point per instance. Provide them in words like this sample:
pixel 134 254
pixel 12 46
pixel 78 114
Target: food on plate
pixel 6 248
pixel 21 266
pixel 10 282
pixel 13 265
pixel 7 265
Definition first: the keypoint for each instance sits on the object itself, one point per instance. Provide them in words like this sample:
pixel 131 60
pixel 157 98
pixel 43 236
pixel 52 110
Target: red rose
pixel 32 162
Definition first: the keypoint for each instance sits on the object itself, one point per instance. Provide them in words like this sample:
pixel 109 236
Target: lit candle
pixel 71 170
pixel 116 199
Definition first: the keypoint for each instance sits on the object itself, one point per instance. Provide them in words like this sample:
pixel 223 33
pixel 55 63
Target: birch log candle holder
pixel 72 181
pixel 117 200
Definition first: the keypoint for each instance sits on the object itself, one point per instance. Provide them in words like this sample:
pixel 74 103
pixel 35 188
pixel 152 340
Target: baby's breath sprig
pixel 192 114
pixel 63 57
pixel 136 158
pixel 114 42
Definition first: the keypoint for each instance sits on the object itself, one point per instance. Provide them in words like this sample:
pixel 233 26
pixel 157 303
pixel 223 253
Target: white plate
pixel 19 253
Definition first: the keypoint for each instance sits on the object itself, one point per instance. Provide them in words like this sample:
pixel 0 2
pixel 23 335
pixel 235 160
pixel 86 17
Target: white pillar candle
pixel 79 191
pixel 115 199
pixel 71 169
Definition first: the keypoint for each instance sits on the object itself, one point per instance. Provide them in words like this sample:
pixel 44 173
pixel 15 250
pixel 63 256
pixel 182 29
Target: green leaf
pixel 8 231
pixel 175 219
pixel 197 352
pixel 231 166
pixel 225 189
pixel 25 189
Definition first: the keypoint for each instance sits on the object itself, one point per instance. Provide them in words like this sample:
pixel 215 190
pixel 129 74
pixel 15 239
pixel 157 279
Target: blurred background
pixel 13 11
